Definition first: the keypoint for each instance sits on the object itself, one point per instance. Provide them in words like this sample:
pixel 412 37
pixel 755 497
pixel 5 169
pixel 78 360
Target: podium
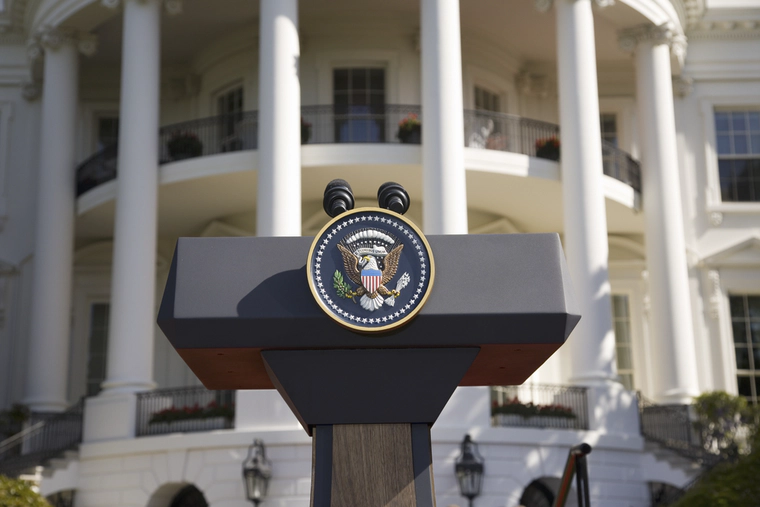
pixel 241 314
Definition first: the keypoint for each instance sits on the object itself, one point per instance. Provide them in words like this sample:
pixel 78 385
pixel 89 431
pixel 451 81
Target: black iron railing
pixel 42 440
pixel 540 406
pixel 620 165
pixel 333 124
pixel 671 426
pixel 184 410
pixel 506 132
pixel 361 124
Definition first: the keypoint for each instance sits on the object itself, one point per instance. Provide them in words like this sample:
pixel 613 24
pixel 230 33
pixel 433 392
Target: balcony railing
pixel 540 406
pixel 42 440
pixel 184 410
pixel 671 426
pixel 348 124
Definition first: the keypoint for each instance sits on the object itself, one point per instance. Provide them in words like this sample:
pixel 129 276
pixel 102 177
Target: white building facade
pixel 631 128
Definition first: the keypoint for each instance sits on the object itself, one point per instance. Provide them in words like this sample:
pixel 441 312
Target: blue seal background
pixel 326 259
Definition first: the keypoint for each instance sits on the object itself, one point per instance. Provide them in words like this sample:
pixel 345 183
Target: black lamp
pixel 469 470
pixel 257 471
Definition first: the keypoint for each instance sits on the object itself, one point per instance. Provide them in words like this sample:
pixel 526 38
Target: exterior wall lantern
pixel 469 470
pixel 257 471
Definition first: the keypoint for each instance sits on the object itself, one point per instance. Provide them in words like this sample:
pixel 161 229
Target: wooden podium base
pixel 372 465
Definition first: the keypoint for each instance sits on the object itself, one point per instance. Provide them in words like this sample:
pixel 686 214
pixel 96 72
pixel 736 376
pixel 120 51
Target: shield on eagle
pixel 371 279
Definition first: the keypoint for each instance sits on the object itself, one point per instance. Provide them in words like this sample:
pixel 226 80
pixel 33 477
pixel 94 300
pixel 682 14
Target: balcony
pixel 540 406
pixel 333 125
pixel 184 410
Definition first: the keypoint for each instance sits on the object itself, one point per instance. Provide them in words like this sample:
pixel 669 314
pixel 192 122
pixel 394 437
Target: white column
pixel 278 203
pixel 673 344
pixel 592 344
pixel 53 252
pixel 279 181
pixel 444 192
pixel 133 312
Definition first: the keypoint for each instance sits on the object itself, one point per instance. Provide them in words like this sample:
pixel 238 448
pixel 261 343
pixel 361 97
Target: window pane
pixel 624 361
pixel 359 98
pixel 721 122
pixel 742 358
pixel 377 79
pixel 620 306
pixel 754 120
pixel 753 302
pixel 739 121
pixel 622 332
pixel 755 148
pixel 743 189
pixel 740 332
pixel 724 144
pixel 340 79
pixel 359 79
pixel 744 386
pixel 740 144
pixel 737 306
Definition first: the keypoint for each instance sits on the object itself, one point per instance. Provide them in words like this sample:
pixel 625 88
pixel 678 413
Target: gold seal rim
pixel 329 312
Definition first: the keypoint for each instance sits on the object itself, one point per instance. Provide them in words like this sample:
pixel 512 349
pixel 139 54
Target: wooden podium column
pixel 372 465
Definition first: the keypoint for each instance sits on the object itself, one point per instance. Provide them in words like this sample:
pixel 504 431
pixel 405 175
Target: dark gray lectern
pixel 240 312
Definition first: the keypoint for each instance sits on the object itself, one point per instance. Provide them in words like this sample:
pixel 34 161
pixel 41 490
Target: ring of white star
pixel 400 313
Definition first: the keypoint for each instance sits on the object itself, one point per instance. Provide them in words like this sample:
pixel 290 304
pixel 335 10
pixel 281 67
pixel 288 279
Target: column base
pixel 120 386
pixel 110 417
pixel 372 465
pixel 44 405
pixel 677 396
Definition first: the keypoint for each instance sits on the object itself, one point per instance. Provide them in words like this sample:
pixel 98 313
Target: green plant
pixel 18 493
pixel 213 409
pixel 12 420
pixel 727 423
pixel 516 407
pixel 548 148
pixel 184 145
pixel 409 129
pixel 727 485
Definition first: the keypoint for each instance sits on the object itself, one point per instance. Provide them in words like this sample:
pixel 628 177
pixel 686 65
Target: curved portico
pixel 509 87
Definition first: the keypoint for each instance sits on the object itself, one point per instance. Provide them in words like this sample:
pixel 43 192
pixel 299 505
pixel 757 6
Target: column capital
pixel 545 5
pixel 173 7
pixel 52 38
pixel 665 33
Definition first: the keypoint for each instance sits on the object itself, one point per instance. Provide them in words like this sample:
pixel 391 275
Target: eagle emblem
pixel 370 260
pixel 370 270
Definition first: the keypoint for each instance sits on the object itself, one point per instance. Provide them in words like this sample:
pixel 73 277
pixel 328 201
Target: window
pixel 108 131
pixel 229 107
pixel 621 319
pixel 359 102
pixel 745 320
pixel 608 124
pixel 738 146
pixel 486 100
pixel 97 347
pixel 608 127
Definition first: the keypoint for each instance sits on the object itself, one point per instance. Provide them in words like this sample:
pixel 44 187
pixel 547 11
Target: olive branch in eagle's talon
pixel 343 289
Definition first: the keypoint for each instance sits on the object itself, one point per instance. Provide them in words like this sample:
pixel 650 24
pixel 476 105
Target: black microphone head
pixel 392 196
pixel 338 198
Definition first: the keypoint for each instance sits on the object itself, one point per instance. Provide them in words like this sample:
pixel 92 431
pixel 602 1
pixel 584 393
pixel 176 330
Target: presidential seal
pixel 370 269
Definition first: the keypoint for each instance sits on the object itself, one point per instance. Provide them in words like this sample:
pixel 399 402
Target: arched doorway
pixel 542 492
pixel 189 496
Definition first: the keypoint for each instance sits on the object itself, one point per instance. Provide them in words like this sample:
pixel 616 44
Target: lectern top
pixel 227 299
